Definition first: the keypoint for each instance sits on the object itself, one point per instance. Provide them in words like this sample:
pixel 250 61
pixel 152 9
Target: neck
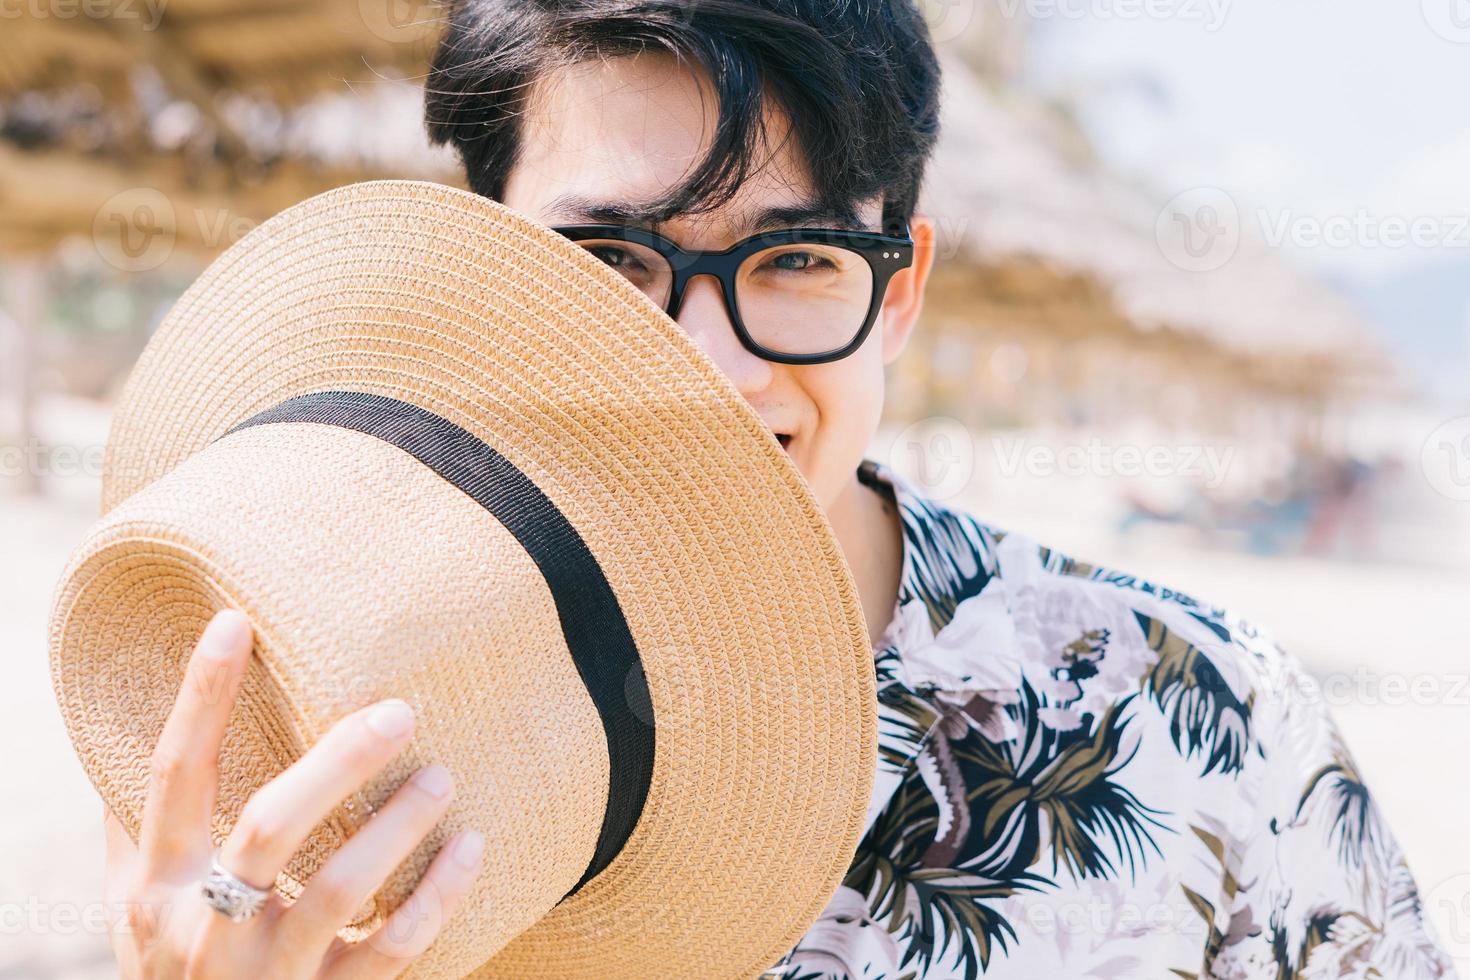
pixel 868 528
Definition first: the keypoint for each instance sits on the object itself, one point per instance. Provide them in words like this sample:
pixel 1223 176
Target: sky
pixel 1304 108
pixel 1340 129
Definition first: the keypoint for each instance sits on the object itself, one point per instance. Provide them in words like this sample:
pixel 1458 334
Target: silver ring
pixel 228 895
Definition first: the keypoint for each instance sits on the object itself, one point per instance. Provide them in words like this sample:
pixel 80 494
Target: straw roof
pixel 1013 178
pixel 290 49
pixel 226 111
pixel 243 107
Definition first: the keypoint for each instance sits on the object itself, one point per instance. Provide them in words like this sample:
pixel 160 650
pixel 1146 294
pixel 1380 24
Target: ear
pixel 905 296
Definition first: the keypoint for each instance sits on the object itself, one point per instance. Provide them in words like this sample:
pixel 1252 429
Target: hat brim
pixel 752 638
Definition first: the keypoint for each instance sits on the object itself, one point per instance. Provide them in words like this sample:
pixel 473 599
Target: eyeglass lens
pixel 800 299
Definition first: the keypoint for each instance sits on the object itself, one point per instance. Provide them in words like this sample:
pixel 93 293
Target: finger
pixel 184 770
pixel 120 847
pixel 351 876
pixel 133 921
pixel 118 864
pixel 415 924
pixel 278 818
pixel 121 853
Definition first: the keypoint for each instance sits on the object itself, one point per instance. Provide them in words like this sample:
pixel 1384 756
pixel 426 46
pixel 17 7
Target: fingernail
pixel 226 633
pixel 434 780
pixel 390 719
pixel 467 849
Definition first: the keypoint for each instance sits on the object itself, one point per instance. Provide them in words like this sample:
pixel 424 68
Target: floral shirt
pixel 1083 774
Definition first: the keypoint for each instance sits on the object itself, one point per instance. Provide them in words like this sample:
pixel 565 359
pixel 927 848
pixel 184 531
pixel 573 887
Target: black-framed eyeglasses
pixel 795 296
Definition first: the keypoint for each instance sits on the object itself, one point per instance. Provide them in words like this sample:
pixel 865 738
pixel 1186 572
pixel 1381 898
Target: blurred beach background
pixel 1201 312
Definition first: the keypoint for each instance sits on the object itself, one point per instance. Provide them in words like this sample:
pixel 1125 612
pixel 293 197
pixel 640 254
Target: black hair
pixel 858 80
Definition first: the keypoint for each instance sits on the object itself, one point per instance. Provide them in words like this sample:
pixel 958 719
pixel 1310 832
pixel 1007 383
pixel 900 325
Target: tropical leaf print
pixel 1056 792
pixel 1056 735
pixel 1205 716
pixel 1237 926
pixel 947 560
pixel 930 909
pixel 1354 826
pixel 1319 930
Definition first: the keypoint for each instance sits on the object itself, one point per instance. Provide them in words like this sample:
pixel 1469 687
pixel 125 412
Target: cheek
pixel 848 396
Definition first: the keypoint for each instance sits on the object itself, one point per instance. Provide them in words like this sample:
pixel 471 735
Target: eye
pixel 799 261
pixel 616 256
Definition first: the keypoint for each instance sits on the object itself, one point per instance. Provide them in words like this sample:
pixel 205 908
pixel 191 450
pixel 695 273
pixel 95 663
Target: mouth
pixel 785 440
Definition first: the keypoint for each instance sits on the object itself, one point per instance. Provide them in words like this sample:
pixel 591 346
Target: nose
pixel 702 313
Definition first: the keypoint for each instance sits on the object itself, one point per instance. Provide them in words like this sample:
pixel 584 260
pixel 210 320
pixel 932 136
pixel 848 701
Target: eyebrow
pixel 749 221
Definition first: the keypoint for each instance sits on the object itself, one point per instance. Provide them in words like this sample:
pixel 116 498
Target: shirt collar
pixel 905 721
pixel 882 479
pixel 929 529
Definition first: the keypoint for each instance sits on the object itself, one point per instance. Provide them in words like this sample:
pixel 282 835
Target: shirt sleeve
pixel 1320 885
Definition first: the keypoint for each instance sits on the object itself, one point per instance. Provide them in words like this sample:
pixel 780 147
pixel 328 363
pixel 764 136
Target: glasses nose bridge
pixel 686 267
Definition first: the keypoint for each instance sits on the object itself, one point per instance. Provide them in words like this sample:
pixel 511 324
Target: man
pixel 1082 774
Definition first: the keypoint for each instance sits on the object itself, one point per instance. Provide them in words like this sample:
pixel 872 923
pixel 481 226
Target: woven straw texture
pixel 368 576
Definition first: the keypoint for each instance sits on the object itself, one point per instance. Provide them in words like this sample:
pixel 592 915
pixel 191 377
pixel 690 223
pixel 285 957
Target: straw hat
pixel 438 452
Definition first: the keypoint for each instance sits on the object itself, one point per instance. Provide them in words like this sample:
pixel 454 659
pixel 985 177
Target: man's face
pixel 630 129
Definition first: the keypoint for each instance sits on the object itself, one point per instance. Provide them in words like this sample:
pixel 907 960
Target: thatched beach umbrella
pixel 1024 205
pixel 146 129
pixel 217 106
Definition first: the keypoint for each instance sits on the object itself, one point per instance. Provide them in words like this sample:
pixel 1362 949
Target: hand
pixel 171 932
